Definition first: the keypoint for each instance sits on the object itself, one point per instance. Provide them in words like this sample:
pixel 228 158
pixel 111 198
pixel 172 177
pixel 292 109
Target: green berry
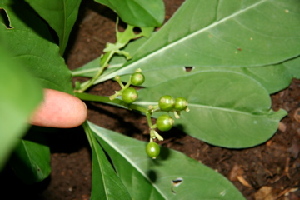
pixel 180 103
pixel 152 149
pixel 137 78
pixel 164 122
pixel 166 103
pixel 129 95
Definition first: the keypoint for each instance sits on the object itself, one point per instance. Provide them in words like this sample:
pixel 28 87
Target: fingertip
pixel 59 109
pixel 81 115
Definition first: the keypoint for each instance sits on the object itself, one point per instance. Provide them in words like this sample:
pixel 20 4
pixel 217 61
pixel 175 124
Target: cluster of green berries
pixel 165 104
pixel 168 103
pixel 165 122
pixel 129 94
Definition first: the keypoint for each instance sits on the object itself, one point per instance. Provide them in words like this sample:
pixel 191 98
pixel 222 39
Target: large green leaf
pixel 226 109
pixel 31 158
pixel 20 94
pixel 105 182
pixel 140 13
pixel 29 42
pixel 136 169
pixel 60 14
pixel 248 34
pixel 274 77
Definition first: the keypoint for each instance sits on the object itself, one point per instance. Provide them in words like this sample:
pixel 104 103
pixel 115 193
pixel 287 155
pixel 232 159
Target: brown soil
pixel 271 169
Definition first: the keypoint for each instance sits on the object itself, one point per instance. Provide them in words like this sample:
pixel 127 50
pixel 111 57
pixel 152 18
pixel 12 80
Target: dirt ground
pixel 268 171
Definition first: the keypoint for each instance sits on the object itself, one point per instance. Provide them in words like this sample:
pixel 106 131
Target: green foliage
pixel 60 15
pixel 293 67
pixel 140 13
pixel 31 158
pixel 154 177
pixel 250 34
pixel 105 184
pixel 16 104
pixel 226 62
pixel 30 61
pixel 226 108
pixel 30 43
pixel 244 36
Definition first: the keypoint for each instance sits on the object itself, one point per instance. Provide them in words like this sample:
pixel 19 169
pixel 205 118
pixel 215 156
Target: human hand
pixel 59 109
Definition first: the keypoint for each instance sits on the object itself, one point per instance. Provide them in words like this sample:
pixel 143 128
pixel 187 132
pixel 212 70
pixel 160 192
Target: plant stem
pixel 104 64
pixel 149 121
pixel 103 99
pixel 95 98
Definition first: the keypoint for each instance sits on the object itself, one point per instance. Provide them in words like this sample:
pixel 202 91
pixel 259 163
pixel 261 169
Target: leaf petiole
pixel 103 99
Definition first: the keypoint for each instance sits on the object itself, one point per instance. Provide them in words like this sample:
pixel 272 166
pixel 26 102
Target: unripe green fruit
pixel 152 149
pixel 129 95
pixel 164 122
pixel 180 103
pixel 166 103
pixel 137 78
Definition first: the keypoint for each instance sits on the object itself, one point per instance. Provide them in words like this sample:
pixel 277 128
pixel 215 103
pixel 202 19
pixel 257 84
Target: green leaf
pixel 60 15
pixel 252 33
pixel 123 39
pixel 105 182
pixel 274 77
pixel 139 13
pixel 91 68
pixel 20 94
pixel 293 66
pixel 226 109
pixel 135 168
pixel 30 43
pixel 31 158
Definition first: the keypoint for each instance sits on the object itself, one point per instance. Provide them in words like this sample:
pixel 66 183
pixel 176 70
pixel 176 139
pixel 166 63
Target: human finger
pixel 59 109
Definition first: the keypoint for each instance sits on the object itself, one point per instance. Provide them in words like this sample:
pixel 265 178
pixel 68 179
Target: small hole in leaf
pixel 137 29
pixel 177 182
pixel 188 69
pixel 4 18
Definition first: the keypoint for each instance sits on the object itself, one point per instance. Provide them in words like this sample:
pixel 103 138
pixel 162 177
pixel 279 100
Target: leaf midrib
pixel 191 105
pixel 129 159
